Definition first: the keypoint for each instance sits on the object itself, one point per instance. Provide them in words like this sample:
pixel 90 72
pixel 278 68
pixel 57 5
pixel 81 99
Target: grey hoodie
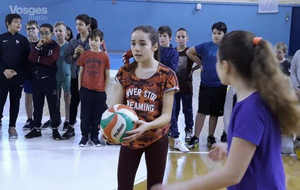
pixel 295 70
pixel 70 52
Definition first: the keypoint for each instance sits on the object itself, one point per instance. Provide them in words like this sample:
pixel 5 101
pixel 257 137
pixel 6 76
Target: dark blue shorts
pixel 28 87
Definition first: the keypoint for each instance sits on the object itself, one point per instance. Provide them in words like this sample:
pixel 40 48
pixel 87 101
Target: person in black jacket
pixel 44 55
pixel 14 51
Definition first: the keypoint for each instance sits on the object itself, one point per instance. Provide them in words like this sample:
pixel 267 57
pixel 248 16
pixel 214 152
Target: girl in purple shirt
pixel 266 107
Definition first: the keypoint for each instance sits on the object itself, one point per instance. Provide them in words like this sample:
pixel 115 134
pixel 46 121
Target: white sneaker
pixel 180 146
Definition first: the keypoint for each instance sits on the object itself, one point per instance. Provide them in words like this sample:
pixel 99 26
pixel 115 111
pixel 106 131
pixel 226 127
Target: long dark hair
pixel 257 64
pixel 153 36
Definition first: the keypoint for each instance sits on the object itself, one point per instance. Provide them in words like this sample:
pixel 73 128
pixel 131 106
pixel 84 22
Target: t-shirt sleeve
pixel 199 48
pixel 107 66
pixel 171 82
pixel 249 125
pixel 80 61
pixel 120 76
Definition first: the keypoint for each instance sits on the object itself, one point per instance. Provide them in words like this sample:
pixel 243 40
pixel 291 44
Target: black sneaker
pixel 33 134
pixel 210 141
pixel 28 125
pixel 68 134
pixel 83 142
pixel 224 137
pixel 56 135
pixel 95 141
pixel 46 125
pixel 66 126
pixel 188 135
pixel 194 143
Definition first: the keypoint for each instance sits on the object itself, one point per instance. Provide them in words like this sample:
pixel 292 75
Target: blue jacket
pixel 14 52
pixel 169 57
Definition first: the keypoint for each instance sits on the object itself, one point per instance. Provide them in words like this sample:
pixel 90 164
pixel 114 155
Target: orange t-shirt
pixel 145 97
pixel 94 69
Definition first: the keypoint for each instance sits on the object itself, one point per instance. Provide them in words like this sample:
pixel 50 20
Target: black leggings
pixel 129 159
pixel 14 88
pixel 74 101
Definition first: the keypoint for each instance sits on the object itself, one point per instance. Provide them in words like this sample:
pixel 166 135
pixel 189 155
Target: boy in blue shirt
pixel 211 93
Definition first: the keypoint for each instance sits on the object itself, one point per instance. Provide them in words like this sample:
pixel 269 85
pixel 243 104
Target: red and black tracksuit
pixel 44 70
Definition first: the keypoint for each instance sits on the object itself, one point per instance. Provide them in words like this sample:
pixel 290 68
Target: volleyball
pixel 116 120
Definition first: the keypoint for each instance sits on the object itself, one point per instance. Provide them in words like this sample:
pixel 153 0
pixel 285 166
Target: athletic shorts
pixel 211 100
pixel 65 85
pixel 28 87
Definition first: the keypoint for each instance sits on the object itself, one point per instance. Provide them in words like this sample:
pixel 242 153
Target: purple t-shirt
pixel 253 121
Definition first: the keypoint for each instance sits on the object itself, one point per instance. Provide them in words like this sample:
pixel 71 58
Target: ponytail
pixel 255 61
pixel 274 87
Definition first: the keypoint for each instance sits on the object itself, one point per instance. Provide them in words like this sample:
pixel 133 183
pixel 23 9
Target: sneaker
pixel 28 125
pixel 188 135
pixel 66 126
pixel 46 125
pixel 180 146
pixel 210 141
pixel 56 135
pixel 224 137
pixel 68 134
pixel 12 133
pixel 194 143
pixel 83 141
pixel 95 141
pixel 33 134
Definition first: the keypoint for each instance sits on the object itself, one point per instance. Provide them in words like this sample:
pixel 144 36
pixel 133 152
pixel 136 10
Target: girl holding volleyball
pixel 266 107
pixel 147 87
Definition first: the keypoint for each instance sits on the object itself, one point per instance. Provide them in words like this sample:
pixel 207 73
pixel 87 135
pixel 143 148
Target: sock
pixel 176 140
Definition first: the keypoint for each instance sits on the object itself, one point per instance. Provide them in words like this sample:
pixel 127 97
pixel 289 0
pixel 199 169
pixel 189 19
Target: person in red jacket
pixel 44 55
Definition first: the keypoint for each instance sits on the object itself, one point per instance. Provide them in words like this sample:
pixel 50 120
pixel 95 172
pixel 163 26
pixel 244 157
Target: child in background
pixel 170 57
pixel 93 80
pixel 76 46
pixel 63 74
pixel 184 75
pixel 32 29
pixel 212 92
pixel 280 51
pixel 14 53
pixel 44 54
